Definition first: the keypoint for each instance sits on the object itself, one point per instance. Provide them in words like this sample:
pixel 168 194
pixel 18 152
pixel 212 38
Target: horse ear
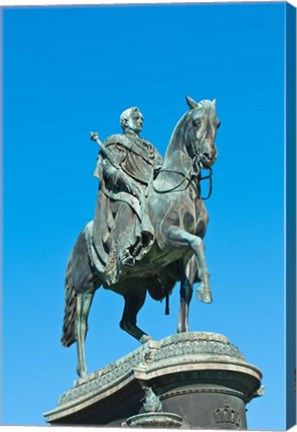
pixel 191 102
pixel 214 102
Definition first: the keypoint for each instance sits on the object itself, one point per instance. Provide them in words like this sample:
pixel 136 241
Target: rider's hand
pixel 132 187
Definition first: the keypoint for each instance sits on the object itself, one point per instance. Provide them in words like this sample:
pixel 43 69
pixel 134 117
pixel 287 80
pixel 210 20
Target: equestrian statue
pixel 149 223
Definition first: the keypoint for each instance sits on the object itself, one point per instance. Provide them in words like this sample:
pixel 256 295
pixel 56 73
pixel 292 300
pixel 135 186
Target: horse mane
pixel 178 137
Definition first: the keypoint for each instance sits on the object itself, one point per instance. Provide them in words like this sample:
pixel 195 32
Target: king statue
pixel 123 232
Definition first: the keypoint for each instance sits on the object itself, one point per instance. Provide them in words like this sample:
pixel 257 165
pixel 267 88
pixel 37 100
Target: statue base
pixel 187 380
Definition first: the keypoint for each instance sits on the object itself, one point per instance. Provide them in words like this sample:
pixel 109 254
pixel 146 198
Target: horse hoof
pixel 145 338
pixel 81 373
pixel 204 295
pixel 183 330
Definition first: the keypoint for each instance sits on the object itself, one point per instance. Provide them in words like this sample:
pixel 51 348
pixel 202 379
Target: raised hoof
pixel 204 294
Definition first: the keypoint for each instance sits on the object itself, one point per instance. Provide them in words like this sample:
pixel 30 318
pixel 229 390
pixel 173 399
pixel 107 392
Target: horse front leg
pixel 133 303
pixel 186 291
pixel 83 305
pixel 180 238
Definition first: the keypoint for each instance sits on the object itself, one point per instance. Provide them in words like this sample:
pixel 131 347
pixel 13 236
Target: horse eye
pixel 197 123
pixel 218 124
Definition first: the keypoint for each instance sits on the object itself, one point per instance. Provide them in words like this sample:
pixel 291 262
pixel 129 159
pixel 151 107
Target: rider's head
pixel 131 119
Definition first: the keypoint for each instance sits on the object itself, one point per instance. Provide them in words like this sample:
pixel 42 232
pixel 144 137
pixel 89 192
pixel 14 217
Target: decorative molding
pixel 187 391
pixel 178 347
pixel 194 358
pixel 105 377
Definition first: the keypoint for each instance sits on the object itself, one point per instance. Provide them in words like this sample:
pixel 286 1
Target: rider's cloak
pixel 121 223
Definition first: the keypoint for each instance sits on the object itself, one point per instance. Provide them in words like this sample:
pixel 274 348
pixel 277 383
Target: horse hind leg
pixel 83 305
pixel 186 292
pixel 133 303
pixel 85 282
pixel 89 282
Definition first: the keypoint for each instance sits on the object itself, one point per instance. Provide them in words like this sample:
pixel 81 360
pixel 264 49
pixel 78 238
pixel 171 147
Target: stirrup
pixel 129 261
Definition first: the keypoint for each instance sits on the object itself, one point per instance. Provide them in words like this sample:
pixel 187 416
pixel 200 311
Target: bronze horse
pixel 180 220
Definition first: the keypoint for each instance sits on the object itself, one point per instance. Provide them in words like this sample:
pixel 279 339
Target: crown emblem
pixel 227 415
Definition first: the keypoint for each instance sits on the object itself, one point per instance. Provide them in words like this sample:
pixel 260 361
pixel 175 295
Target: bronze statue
pixel 149 224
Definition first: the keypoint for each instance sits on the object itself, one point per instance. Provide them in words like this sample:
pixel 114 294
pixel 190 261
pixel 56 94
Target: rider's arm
pixel 111 174
pixel 158 159
pixel 116 176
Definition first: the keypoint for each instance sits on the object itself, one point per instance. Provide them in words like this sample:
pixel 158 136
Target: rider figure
pixel 123 231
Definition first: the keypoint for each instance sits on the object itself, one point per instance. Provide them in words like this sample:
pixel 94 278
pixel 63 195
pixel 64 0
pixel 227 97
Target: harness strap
pixel 167 311
pixel 209 176
pixel 186 176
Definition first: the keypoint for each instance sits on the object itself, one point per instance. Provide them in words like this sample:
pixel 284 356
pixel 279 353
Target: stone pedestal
pixel 187 380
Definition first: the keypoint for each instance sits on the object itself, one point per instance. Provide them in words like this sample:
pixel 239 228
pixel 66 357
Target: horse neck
pixel 177 155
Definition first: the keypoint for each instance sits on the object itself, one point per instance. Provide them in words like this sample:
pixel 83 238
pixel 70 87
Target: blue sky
pixel 69 70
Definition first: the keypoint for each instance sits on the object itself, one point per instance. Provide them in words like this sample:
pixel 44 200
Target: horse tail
pixel 68 336
pixel 81 277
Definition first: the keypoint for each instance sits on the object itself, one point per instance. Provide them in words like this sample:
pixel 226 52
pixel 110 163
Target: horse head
pixel 203 124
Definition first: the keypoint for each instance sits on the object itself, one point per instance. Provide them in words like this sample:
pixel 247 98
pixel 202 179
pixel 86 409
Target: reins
pixel 209 176
pixel 186 176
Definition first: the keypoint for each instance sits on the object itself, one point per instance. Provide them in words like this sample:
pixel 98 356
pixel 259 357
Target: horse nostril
pixel 211 155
